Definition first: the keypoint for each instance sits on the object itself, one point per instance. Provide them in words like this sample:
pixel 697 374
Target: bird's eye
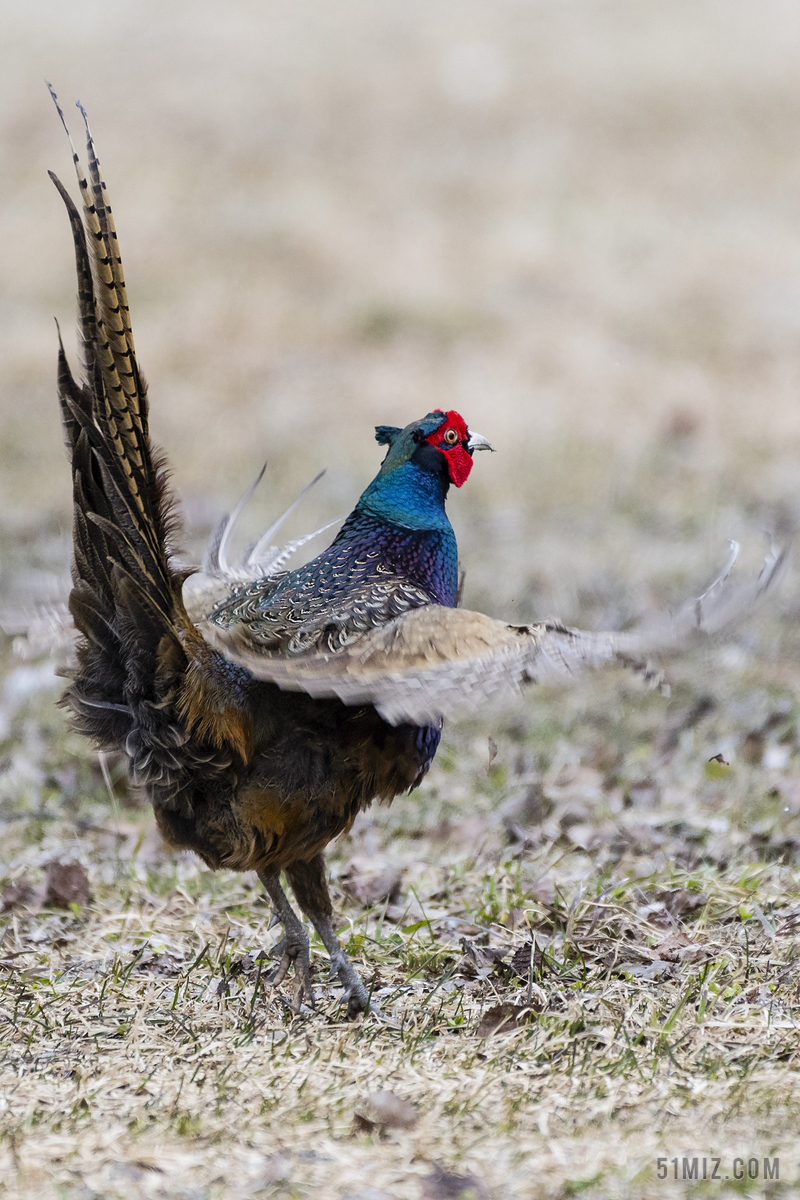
pixel 451 437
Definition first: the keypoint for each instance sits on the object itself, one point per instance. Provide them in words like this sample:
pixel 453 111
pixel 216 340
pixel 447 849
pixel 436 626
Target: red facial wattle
pixel 459 459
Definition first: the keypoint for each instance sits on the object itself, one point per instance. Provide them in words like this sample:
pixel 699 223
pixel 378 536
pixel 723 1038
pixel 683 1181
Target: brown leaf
pixel 391 1111
pixel 18 894
pixel 371 889
pixel 521 959
pixel 753 746
pixel 657 914
pixel 479 961
pixel 520 964
pixel 442 1185
pixel 66 884
pixel 677 947
pixel 679 901
pixel 492 750
pixel 502 1018
pixel 246 965
pixel 668 949
pixel 162 964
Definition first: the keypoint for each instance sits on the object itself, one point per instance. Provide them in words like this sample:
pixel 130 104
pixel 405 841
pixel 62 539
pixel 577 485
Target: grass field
pixel 579 225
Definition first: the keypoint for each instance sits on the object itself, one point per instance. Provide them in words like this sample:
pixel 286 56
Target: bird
pixel 261 708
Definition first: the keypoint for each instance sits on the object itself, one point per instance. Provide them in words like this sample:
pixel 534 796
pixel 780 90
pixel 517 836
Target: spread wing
pixel 435 662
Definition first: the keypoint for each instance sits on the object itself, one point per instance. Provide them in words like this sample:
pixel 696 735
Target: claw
pixel 297 956
pixel 357 1000
pixel 281 971
pixel 354 994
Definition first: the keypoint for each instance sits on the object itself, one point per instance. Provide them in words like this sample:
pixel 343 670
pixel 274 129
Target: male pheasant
pixel 260 726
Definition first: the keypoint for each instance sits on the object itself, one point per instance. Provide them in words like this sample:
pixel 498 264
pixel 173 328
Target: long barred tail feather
pixel 144 675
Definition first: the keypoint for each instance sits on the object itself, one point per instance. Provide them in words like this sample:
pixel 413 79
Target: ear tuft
pixel 385 434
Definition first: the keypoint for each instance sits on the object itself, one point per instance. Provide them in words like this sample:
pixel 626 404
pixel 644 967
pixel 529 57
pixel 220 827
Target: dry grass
pixel 579 225
pixel 143 1054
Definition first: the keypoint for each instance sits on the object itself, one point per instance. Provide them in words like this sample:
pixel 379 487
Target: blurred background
pixel 578 224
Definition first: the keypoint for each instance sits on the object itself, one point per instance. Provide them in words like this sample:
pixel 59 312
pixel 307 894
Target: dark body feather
pixel 315 765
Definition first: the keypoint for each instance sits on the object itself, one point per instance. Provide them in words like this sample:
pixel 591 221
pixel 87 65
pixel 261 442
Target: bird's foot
pixel 355 995
pixel 294 952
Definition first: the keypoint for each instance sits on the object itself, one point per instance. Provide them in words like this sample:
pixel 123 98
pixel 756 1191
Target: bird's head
pixel 440 443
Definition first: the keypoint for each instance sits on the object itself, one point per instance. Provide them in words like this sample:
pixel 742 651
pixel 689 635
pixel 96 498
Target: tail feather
pixel 105 326
pixel 132 687
pixel 120 327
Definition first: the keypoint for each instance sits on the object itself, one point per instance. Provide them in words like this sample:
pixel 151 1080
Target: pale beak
pixel 478 442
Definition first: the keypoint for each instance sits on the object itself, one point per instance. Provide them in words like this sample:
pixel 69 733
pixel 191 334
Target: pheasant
pixel 260 722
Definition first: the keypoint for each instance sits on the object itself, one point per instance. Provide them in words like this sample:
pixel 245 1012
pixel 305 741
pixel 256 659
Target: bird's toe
pixel 354 994
pixel 357 1000
pixel 296 955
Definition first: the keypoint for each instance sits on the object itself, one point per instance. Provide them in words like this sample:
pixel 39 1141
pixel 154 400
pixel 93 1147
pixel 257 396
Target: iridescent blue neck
pixel 401 517
pixel 408 497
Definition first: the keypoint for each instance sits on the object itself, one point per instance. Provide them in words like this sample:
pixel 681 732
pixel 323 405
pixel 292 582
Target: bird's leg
pixel 311 889
pixel 294 946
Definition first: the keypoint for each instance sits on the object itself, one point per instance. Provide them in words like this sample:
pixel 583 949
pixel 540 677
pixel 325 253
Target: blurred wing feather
pixel 435 662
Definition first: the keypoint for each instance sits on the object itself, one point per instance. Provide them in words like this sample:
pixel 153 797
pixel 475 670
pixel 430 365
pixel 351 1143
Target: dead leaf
pixel 677 947
pixel 753 746
pixel 679 901
pixel 162 964
pixel 66 884
pixel 20 893
pixel 719 758
pixel 479 961
pixel 245 965
pixel 442 1185
pixel 581 834
pixel 502 1018
pixel 386 885
pixel 657 914
pixel 390 1111
pixel 521 960
pixel 492 750
pixel 520 964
